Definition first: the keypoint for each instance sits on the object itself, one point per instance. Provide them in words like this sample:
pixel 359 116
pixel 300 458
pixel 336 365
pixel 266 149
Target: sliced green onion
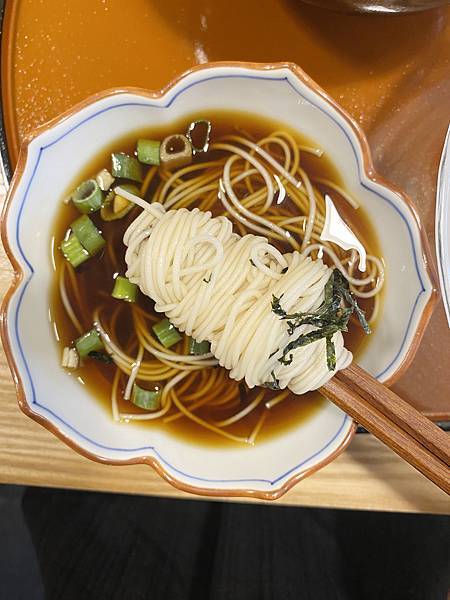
pixel 89 342
pixel 199 347
pixel 88 197
pixel 166 333
pixel 124 289
pixel 148 152
pixel 116 206
pixel 73 251
pixel 88 234
pixel 126 167
pixel 199 134
pixel 104 179
pixel 146 399
pixel 121 204
pixel 70 358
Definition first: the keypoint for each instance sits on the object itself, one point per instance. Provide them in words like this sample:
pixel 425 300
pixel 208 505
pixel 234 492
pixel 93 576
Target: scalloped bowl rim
pixel 24 271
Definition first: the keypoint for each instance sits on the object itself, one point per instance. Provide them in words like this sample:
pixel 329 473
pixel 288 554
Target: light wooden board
pixel 366 476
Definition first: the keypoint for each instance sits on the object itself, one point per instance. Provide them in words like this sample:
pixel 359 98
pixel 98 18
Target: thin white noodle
pixel 209 426
pixel 376 310
pixel 113 350
pixel 292 220
pixel 241 414
pixel 353 280
pixel 135 199
pixel 312 210
pixel 274 401
pixel 202 359
pixel 66 303
pixel 275 164
pixel 257 429
pixel 198 191
pixel 228 189
pixel 274 139
pixel 125 362
pixel 114 404
pixel 165 401
pixel 316 151
pixel 246 222
pixel 134 371
pixel 178 175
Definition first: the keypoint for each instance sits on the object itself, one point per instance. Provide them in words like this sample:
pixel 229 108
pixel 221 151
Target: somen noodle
pixel 217 286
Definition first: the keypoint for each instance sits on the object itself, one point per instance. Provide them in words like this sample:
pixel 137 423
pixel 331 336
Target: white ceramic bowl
pixel 50 161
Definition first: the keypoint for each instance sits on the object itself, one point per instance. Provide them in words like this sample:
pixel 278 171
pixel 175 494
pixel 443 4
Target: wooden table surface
pixel 366 476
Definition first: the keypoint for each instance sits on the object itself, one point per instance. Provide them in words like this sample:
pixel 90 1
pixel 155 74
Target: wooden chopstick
pixel 399 411
pixel 408 433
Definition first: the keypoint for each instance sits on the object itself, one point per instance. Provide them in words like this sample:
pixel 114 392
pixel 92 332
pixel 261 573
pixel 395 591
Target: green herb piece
pixel 88 234
pixel 104 180
pixel 148 152
pixel 166 333
pixel 124 289
pixel 116 206
pixel 286 361
pixel 126 167
pixel 276 306
pixel 332 316
pixel 292 326
pixel 331 354
pixel 73 251
pixel 274 384
pixel 199 134
pixel 198 348
pixel 146 399
pixel 70 358
pixel 88 197
pixel 89 342
pixel 343 286
pixel 312 336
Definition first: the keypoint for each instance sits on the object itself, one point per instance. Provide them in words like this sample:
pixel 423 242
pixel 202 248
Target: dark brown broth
pixel 95 279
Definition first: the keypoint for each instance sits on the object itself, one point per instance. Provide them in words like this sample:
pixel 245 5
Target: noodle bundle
pixel 218 286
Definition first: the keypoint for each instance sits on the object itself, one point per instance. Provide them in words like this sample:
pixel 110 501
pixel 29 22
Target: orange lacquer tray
pixel 392 73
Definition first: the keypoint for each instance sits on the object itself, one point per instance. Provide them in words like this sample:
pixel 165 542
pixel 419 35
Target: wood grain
pixel 398 411
pixel 366 476
pixel 363 398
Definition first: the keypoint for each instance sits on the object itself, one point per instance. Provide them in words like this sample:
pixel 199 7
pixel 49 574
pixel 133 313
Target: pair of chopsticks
pixel 393 421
